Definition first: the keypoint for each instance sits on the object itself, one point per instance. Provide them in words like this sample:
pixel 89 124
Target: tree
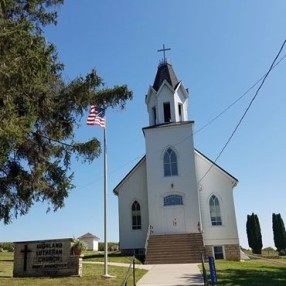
pixel 254 233
pixel 39 112
pixel 279 233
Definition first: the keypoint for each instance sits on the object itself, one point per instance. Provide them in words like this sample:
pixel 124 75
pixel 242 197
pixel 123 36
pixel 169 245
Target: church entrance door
pixel 174 217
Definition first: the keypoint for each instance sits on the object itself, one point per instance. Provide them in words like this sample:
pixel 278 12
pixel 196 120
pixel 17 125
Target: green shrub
pixel 8 246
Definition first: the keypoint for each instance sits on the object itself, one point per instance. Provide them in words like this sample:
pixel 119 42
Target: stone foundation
pixel 231 251
pixel 137 251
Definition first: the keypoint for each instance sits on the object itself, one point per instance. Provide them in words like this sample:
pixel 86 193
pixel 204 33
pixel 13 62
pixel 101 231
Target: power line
pixel 230 105
pixel 245 112
pixel 262 78
pixel 238 99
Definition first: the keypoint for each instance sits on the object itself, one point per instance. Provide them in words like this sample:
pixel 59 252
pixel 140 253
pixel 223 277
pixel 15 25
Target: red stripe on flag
pixel 96 116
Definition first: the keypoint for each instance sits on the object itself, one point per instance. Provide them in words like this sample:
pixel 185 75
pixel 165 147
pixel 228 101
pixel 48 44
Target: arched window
pixel 173 200
pixel 136 215
pixel 215 211
pixel 170 163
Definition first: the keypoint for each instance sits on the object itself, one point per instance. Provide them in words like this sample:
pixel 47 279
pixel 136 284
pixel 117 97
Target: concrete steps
pixel 174 248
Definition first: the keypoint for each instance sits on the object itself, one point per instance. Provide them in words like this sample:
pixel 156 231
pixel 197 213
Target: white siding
pixel 134 188
pixel 220 184
pixel 179 137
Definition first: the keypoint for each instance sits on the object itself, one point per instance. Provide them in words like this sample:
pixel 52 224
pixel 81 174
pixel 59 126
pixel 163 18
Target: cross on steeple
pixel 164 52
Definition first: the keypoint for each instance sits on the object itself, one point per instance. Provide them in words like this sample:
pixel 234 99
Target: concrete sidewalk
pixel 165 274
pixel 172 275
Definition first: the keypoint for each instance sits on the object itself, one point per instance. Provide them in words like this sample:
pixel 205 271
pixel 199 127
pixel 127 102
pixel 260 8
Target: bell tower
pixel 170 164
pixel 167 99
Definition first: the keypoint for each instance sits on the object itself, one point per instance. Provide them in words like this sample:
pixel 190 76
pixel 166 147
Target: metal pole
pixel 106 275
pixel 134 278
pixel 105 208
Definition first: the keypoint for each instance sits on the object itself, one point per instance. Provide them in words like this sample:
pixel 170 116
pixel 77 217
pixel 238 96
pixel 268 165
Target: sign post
pixel 212 270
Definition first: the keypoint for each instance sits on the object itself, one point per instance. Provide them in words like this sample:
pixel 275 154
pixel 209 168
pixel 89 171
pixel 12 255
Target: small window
pixel 154 115
pixel 215 211
pixel 167 112
pixel 136 215
pixel 173 200
pixel 218 252
pixel 180 111
pixel 170 163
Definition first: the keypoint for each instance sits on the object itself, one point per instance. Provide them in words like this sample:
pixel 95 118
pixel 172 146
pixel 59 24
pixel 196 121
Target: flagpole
pixel 106 275
pixel 97 117
pixel 105 208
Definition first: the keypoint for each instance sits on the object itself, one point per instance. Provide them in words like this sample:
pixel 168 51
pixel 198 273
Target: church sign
pixel 46 258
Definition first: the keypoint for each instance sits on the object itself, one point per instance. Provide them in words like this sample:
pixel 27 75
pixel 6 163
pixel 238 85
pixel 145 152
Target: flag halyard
pixel 96 116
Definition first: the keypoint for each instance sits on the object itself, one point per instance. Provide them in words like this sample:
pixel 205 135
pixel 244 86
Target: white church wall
pixel 217 183
pixel 181 98
pixel 157 142
pixel 134 188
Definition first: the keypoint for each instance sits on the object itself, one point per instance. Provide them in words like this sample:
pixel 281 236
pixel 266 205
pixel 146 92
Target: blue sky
pixel 219 49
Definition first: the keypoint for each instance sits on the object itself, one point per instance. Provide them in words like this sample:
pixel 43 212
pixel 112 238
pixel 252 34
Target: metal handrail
pixel 149 232
pixel 131 266
pixel 205 275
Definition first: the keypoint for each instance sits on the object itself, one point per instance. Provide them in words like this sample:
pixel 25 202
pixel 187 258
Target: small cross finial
pixel 164 52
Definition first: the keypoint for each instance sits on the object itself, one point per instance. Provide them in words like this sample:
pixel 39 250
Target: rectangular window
pixel 218 252
pixel 216 220
pixel 167 112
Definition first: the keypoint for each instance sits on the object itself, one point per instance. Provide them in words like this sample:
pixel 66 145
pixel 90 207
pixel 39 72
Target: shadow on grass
pixel 264 275
pixel 101 255
pixel 116 256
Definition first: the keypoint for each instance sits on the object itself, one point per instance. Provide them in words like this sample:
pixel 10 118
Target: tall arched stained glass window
pixel 136 215
pixel 170 163
pixel 215 211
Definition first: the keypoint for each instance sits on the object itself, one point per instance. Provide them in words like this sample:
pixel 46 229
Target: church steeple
pixel 167 99
pixel 165 72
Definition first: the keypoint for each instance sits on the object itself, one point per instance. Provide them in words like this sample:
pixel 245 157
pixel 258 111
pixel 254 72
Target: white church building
pixel 175 204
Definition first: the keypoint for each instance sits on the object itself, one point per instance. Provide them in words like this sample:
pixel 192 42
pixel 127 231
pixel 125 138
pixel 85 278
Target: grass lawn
pixel 92 274
pixel 252 272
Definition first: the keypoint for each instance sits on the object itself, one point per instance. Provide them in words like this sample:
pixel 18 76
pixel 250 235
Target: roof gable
pixel 138 164
pixel 232 178
pixel 143 159
pixel 88 235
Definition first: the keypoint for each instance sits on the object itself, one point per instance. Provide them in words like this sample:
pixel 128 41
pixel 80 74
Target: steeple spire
pixel 165 72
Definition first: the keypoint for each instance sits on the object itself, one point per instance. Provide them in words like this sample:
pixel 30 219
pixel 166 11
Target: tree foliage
pixel 39 112
pixel 254 233
pixel 279 233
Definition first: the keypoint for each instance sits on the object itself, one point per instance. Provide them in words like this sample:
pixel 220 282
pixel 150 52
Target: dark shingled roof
pixel 165 72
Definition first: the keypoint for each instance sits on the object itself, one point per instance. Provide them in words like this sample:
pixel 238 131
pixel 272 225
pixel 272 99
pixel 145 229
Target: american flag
pixel 96 116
